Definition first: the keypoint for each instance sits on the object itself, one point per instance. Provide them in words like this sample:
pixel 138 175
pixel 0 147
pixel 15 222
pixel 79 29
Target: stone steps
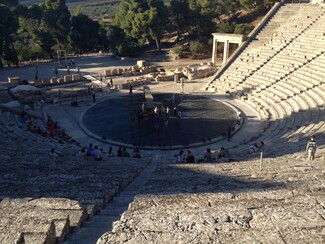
pixel 102 222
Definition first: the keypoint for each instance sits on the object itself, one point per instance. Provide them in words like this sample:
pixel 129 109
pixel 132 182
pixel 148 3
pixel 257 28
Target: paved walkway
pixel 94 64
pixel 87 65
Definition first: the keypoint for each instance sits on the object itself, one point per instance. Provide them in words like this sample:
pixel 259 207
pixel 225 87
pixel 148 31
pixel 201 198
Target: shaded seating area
pixel 44 196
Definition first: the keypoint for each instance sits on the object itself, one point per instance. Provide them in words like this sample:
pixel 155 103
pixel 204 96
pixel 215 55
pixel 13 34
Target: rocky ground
pixel 228 202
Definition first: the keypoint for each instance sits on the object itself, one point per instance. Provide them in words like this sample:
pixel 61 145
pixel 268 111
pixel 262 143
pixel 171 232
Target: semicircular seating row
pixel 281 74
pixel 43 197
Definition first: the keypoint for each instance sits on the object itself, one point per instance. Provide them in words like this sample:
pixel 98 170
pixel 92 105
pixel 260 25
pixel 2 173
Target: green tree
pixel 122 44
pixel 57 20
pixel 8 28
pixel 84 33
pixel 33 35
pixel 158 19
pixel 226 7
pixel 125 16
pixel 102 36
pixel 144 20
pixel 226 27
pixel 200 48
pixel 179 16
pixel 201 19
pixel 243 29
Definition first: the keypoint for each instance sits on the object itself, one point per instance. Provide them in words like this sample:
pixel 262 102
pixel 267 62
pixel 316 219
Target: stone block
pixel 114 71
pixel 141 63
pixel 14 79
pixel 67 78
pixel 165 78
pixel 146 69
pixel 127 73
pixel 92 209
pixel 152 69
pixel 136 83
pixel 46 82
pixel 107 72
pixel 38 83
pixel 54 81
pixel 135 68
pixel 38 238
pixel 17 224
pixel 76 77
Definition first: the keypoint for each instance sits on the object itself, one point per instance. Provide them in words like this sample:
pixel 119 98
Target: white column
pixel 214 51
pixel 225 51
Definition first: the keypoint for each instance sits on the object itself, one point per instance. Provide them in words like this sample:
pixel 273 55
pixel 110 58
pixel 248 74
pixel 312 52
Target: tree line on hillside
pixel 43 30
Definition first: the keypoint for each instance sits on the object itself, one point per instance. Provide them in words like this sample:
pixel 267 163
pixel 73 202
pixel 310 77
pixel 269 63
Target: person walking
pixel 229 134
pixel 56 71
pixel 132 120
pixel 94 96
pixel 130 88
pixel 182 85
pixel 36 72
pixel 311 148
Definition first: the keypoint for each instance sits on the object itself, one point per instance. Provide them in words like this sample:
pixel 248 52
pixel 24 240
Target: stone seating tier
pixel 26 165
pixel 189 215
pixel 302 102
pixel 319 100
pixel 296 125
pixel 278 129
pixel 294 104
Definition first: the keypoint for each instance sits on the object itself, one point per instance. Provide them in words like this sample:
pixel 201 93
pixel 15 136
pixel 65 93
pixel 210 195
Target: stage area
pixel 202 119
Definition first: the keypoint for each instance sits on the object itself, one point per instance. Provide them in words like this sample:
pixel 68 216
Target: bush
pixel 127 49
pixel 180 50
pixel 243 29
pixel 200 48
pixel 226 27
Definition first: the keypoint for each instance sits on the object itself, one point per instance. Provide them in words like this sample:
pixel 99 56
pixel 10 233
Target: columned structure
pixel 227 40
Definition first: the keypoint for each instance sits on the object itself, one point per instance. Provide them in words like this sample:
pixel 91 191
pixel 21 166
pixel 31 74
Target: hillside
pixel 94 8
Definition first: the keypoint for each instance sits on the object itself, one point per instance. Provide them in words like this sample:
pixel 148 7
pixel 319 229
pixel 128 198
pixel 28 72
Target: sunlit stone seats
pixel 281 72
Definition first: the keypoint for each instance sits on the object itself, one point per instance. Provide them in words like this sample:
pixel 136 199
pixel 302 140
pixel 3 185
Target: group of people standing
pixel 158 115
